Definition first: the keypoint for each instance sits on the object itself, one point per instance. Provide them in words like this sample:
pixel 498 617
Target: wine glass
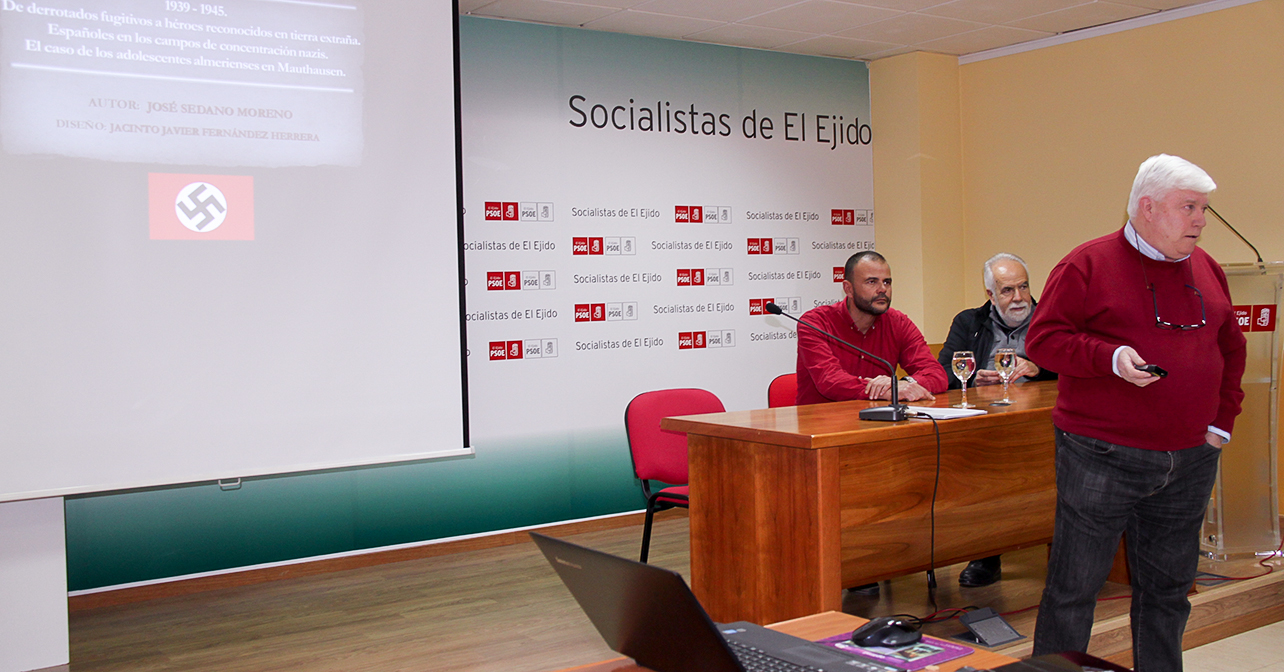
pixel 964 365
pixel 1005 364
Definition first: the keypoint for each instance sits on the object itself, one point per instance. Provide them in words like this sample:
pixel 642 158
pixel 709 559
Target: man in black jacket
pixel 1000 323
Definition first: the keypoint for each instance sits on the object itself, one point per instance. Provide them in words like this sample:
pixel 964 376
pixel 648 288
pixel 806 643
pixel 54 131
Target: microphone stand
pixel 893 412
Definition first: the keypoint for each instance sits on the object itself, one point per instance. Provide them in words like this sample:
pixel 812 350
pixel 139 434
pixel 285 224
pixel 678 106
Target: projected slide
pixel 259 82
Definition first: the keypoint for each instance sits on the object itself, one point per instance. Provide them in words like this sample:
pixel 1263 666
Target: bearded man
pixel 1000 323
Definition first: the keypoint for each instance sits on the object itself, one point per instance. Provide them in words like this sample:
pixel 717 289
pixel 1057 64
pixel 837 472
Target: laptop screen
pixel 644 612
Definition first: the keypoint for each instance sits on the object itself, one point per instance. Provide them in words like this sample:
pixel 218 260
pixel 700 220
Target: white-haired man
pixel 1137 452
pixel 1001 323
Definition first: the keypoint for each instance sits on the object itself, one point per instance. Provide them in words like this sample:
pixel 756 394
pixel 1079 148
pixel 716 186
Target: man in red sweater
pixel 831 371
pixel 1137 452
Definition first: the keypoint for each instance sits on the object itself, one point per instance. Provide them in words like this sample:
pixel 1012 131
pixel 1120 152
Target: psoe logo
pixel 200 207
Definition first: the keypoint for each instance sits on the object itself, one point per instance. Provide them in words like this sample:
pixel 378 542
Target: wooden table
pixel 791 505
pixel 818 626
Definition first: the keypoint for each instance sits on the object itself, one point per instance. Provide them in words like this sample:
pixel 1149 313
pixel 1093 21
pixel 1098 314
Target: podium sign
pixel 1243 515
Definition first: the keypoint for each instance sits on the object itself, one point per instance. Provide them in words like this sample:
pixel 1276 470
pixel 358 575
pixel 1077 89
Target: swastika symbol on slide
pixel 201 207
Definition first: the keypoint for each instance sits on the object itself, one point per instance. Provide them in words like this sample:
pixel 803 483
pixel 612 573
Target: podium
pixel 1243 514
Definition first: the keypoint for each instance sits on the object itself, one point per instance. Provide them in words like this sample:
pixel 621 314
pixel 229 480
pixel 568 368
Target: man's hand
pixel 1025 368
pixel 914 392
pixel 986 377
pixel 878 387
pixel 1214 440
pixel 1127 360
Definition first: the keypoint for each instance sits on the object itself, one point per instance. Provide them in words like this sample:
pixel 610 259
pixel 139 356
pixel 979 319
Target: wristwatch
pixel 908 379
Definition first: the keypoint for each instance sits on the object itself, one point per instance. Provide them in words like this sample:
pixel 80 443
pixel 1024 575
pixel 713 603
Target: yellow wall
pixel 1052 137
pixel 918 207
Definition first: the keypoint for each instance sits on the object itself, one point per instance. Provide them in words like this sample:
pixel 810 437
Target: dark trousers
pixel 1159 498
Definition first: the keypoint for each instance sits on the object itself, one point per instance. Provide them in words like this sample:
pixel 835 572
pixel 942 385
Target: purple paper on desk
pixel 930 651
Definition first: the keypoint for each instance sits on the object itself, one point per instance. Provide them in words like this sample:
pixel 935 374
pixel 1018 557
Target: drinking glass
pixel 1005 364
pixel 964 365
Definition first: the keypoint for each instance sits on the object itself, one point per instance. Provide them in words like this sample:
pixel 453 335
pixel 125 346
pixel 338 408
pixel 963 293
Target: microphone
pixel 893 412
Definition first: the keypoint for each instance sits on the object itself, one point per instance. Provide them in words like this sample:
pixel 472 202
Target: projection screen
pixel 230 240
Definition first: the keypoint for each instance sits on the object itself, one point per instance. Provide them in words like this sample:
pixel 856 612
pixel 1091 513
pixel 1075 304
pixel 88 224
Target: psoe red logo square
pixel 596 246
pixel 838 274
pixel 697 277
pixel 200 207
pixel 598 311
pixel 579 246
pixel 582 312
pixel 682 214
pixel 766 246
pixel 510 212
pixel 512 279
pixel 755 246
pixel 836 217
pixel 755 306
pixel 696 213
pixel 1243 317
pixel 849 218
pixel 1264 318
pixel 684 277
pixel 498 350
pixel 494 281
pixel 514 349
pixel 494 211
pixel 697 339
pixel 684 340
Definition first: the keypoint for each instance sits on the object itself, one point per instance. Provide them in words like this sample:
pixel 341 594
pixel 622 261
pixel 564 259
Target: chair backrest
pixel 783 391
pixel 659 454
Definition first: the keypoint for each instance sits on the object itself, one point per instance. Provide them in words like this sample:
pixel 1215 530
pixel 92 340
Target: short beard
pixel 1012 320
pixel 869 307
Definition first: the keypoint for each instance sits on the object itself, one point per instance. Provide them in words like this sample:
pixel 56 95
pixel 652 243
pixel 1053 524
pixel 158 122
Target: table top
pixel 816 627
pixel 837 424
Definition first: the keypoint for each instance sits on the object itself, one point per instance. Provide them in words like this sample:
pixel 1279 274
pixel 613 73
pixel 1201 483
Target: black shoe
pixel 867 590
pixel 981 572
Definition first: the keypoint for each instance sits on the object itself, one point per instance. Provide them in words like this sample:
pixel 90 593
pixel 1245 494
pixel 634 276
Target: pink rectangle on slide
pixel 200 207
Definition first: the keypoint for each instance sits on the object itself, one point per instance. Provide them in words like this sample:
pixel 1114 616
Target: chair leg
pixel 646 530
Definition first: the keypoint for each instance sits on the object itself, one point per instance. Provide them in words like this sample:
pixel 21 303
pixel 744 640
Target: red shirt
pixel 829 371
pixel 1095 301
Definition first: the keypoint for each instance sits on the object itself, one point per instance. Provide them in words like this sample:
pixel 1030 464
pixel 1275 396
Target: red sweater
pixel 829 371
pixel 1095 301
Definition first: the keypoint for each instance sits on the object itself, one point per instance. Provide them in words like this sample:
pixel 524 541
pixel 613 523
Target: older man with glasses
pixel 1139 325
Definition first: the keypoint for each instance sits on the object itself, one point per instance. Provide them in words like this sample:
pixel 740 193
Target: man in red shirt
pixel 1136 452
pixel 831 371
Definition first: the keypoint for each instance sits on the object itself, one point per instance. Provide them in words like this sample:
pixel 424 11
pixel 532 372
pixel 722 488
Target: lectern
pixel 1243 515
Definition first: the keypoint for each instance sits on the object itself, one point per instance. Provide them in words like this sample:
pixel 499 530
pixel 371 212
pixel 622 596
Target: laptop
pixel 650 615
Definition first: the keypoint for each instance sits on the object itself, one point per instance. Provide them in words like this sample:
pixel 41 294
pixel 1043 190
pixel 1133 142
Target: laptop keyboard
pixel 754 659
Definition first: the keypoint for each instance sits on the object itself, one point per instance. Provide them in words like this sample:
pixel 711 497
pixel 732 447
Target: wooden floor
pixel 492 609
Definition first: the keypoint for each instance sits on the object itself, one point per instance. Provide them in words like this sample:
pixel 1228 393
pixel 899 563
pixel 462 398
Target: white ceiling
pixel 858 29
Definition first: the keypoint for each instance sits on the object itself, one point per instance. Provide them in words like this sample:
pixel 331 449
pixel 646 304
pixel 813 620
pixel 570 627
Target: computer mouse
pixel 888 631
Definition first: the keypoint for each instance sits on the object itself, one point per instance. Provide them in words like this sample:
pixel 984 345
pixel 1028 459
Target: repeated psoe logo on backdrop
pixel 511 211
pixel 840 217
pixel 604 245
pixel 518 280
pixel 531 348
pixel 705 277
pixel 1255 318
pixel 773 246
pixel 702 214
pixel 790 304
pixel 606 312
pixel 700 340
pixel 838 273
pixel 200 207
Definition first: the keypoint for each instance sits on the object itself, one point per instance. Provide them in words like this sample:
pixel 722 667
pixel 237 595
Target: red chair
pixel 660 455
pixel 783 391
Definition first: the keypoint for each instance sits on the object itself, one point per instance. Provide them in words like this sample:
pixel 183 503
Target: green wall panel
pixel 167 532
